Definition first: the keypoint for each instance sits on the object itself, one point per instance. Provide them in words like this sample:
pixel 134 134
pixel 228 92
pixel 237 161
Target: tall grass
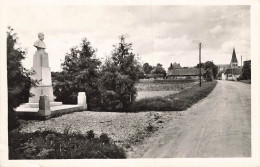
pixel 175 102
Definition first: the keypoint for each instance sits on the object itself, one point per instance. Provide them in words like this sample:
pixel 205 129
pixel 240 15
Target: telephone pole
pixel 200 61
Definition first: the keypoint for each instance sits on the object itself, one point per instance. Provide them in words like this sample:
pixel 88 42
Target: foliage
pixel 175 102
pixel 212 68
pixel 118 76
pixel 246 70
pixel 79 74
pixel 158 69
pixel 53 145
pixel 18 78
pixel 208 76
pixel 147 68
pixel 90 135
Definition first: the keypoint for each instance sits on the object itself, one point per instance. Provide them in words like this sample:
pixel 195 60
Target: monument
pixel 42 104
pixel 42 72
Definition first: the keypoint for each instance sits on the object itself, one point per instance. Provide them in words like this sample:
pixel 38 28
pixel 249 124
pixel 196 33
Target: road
pixel 217 126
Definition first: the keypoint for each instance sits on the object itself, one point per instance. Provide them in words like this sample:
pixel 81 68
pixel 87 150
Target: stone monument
pixel 42 104
pixel 42 72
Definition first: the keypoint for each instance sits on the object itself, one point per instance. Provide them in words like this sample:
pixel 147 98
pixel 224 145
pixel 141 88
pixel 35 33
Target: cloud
pixel 216 30
pixel 160 34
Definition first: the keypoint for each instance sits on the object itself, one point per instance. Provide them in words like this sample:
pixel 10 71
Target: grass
pixel 246 81
pixel 53 145
pixel 175 102
pixel 164 85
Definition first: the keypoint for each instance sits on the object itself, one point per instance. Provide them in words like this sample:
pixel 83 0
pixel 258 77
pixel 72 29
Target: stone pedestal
pixel 82 100
pixel 44 106
pixel 43 75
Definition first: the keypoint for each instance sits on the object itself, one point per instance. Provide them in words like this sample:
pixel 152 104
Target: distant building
pixel 175 70
pixel 230 71
pixel 179 72
pixel 174 65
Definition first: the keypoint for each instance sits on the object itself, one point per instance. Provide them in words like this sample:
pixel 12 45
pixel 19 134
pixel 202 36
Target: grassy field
pixel 164 85
pixel 175 102
pixel 148 88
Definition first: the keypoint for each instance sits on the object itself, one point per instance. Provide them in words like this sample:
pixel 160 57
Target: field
pixel 151 88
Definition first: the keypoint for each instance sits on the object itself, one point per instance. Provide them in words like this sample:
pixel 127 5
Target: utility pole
pixel 200 61
pixel 241 61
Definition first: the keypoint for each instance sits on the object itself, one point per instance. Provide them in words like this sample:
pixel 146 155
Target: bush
pixel 152 104
pixel 104 138
pixel 90 135
pixel 52 145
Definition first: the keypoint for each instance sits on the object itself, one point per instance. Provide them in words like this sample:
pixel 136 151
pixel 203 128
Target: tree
pixel 200 65
pixel 158 69
pixel 171 67
pixel 80 72
pixel 210 66
pixel 18 78
pixel 118 77
pixel 147 68
pixel 246 70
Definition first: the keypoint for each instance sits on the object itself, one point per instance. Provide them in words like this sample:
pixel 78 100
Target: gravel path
pixel 119 126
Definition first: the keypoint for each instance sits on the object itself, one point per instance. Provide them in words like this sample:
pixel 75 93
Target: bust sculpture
pixel 40 44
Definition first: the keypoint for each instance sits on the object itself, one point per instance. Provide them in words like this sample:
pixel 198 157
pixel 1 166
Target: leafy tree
pixel 212 66
pixel 158 69
pixel 208 75
pixel 18 78
pixel 118 76
pixel 246 70
pixel 80 72
pixel 147 68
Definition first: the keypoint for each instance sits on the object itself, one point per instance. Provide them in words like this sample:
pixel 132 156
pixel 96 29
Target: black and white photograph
pixel 133 84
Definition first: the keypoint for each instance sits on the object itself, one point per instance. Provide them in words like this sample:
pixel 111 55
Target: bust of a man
pixel 40 44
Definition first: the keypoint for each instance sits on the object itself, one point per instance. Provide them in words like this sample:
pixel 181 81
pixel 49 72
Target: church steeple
pixel 234 61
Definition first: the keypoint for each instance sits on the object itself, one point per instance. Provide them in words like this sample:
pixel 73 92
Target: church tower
pixel 234 62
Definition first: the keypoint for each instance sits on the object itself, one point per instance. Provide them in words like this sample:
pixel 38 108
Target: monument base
pixel 36 105
pixel 34 113
pixel 45 109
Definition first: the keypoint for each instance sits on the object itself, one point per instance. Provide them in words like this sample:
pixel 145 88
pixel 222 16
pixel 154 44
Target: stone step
pixel 36 105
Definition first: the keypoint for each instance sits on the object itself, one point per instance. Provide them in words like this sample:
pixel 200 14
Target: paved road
pixel 218 126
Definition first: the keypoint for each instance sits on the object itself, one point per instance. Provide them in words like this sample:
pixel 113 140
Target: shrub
pixel 90 135
pixel 104 138
pixel 152 104
pixel 53 145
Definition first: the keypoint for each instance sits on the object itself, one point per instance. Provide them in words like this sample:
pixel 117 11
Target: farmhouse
pixel 230 71
pixel 175 70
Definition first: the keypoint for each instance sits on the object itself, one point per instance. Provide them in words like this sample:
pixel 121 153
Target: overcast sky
pixel 160 34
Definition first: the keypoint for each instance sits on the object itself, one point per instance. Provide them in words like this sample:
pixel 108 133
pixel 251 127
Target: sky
pixel 159 34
